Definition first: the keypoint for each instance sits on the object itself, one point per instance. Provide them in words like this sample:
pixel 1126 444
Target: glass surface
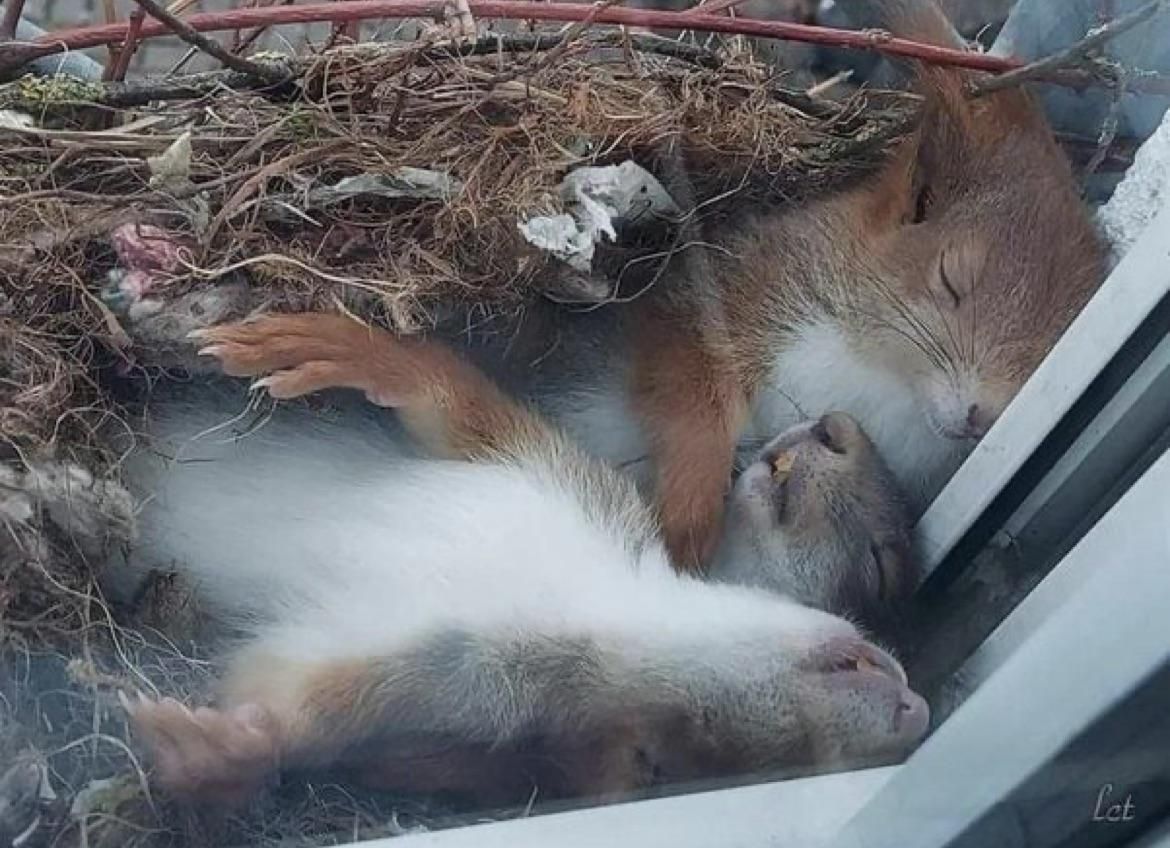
pixel 653 529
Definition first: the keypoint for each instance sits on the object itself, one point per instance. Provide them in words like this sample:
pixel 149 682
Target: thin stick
pixel 573 33
pixel 353 10
pixel 1072 56
pixel 714 7
pixel 129 46
pixel 1118 156
pixel 113 50
pixel 180 7
pixel 124 95
pixel 251 38
pixel 1107 136
pixel 236 36
pixel 192 36
pixel 13 55
pixel 829 84
pixel 13 9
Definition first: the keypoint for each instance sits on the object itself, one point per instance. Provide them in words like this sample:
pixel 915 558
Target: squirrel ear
pixel 893 196
pixel 897 570
pixel 925 21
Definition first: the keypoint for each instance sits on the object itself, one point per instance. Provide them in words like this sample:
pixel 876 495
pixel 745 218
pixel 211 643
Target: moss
pixel 271 56
pixel 31 90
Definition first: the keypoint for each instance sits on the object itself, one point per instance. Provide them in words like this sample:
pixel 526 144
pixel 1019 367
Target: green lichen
pixel 270 56
pixel 54 91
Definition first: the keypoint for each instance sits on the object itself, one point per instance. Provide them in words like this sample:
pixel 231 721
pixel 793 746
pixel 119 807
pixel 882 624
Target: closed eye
pixel 780 499
pixel 922 204
pixel 875 554
pixel 651 771
pixel 946 282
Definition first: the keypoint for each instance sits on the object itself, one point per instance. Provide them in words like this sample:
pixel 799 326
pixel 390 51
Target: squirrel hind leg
pixel 220 756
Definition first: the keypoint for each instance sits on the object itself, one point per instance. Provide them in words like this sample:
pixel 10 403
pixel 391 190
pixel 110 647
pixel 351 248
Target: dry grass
pixel 506 126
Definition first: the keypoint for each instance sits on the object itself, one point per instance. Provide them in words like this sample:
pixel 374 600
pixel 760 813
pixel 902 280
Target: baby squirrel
pixel 918 301
pixel 503 620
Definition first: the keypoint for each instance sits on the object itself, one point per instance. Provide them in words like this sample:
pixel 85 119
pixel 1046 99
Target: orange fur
pixel 691 404
pixel 221 756
pixel 448 404
pixel 1001 211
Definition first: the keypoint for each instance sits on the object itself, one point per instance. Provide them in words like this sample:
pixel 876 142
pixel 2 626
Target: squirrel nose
pixel 978 421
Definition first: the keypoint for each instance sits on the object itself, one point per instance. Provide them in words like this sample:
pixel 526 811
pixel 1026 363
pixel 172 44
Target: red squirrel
pixel 918 301
pixel 502 620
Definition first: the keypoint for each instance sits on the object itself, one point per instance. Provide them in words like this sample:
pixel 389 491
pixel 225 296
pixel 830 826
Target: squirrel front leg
pixel 445 402
pixel 691 404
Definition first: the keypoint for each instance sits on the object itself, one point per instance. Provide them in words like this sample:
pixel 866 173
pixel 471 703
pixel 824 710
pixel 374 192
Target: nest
pixel 240 193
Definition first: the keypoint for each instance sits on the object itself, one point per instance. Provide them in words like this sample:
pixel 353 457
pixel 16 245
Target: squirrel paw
pixel 299 354
pixel 221 756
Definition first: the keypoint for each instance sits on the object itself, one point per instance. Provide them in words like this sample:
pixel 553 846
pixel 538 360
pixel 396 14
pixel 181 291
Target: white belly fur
pixel 819 373
pixel 822 373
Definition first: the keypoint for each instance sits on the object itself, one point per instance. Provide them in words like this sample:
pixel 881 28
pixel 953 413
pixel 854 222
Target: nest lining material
pixel 232 191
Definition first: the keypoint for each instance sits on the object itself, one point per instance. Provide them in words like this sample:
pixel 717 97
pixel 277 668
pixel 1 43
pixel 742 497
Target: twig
pixel 180 7
pixel 1071 56
pixel 251 38
pixel 125 95
pixel 15 54
pixel 347 29
pixel 193 37
pixel 129 46
pixel 1108 134
pixel 573 33
pixel 111 15
pixel 257 180
pixel 1081 151
pixel 13 9
pixel 829 84
pixel 353 10
pixel 714 7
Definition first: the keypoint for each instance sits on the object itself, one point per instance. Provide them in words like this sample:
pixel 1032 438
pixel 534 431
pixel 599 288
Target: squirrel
pixel 918 300
pixel 502 619
pixel 818 516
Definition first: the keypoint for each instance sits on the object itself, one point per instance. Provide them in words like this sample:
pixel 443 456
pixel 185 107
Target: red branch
pixel 121 64
pixel 714 6
pixel 10 19
pixel 358 10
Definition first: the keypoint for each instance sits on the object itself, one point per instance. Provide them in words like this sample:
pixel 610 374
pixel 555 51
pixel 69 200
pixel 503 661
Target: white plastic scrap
pixel 1142 193
pixel 598 199
pixel 170 171
pixel 417 183
pixel 404 182
pixel 12 120
pixel 173 165
pixel 105 795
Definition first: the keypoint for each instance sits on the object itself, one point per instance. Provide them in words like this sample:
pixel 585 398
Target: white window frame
pixel 1104 607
